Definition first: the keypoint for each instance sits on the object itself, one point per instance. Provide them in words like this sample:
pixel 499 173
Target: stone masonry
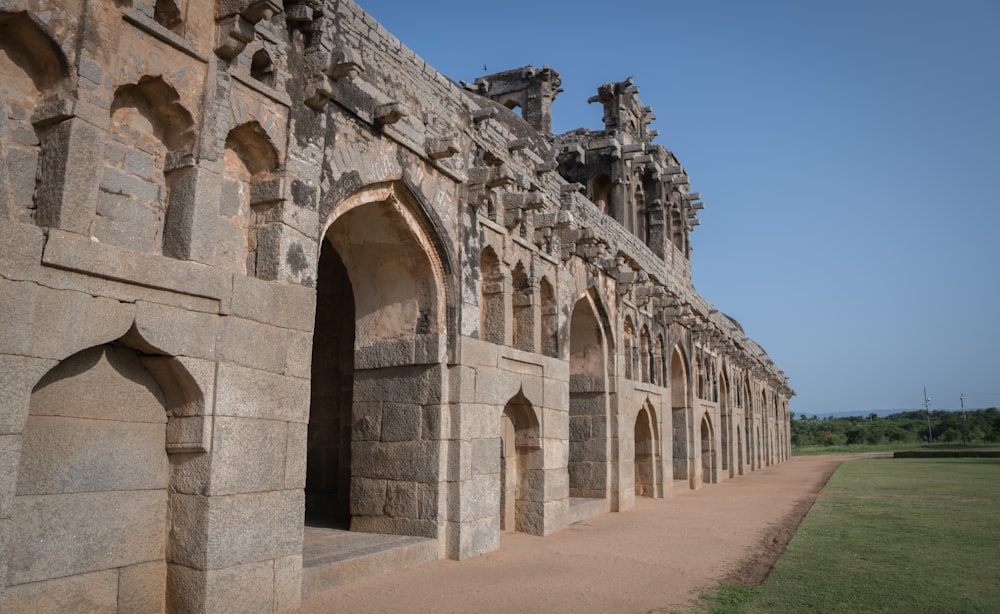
pixel 262 266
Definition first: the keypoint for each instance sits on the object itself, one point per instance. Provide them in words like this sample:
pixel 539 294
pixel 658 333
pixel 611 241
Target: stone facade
pixel 261 265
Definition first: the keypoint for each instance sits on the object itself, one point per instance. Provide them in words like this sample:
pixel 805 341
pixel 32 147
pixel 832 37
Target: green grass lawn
pixel 889 535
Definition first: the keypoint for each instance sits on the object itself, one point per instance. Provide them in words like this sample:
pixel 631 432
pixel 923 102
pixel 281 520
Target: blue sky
pixel 848 154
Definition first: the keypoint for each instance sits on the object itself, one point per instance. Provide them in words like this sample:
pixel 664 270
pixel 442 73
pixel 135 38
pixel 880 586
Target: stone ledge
pixel 74 253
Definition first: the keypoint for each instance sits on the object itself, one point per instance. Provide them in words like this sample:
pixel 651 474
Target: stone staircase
pixel 332 557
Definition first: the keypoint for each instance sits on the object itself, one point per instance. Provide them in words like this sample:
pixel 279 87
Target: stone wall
pixel 261 265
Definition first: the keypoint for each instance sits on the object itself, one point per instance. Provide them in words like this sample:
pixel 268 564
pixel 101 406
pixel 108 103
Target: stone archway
pixel 378 351
pixel 679 415
pixel 588 405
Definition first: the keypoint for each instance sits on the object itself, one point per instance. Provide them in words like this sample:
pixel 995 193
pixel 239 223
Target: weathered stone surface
pixel 142 587
pixel 284 305
pixel 18 375
pixel 249 393
pixel 65 535
pixel 237 439
pixel 93 592
pixel 178 332
pixel 254 527
pixel 94 455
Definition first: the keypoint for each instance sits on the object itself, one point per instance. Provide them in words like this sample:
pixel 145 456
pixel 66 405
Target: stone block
pixel 367 496
pixel 480 497
pixel 193 214
pixel 401 500
pixel 298 354
pixel 246 588
pixel 69 170
pixel 495 386
pixel 285 254
pixel 178 332
pixel 385 353
pixel 284 305
pixel 480 421
pixel 95 455
pixel 249 393
pixel 10 451
pixel 555 423
pixel 477 537
pixel 366 421
pixel 556 394
pixel 296 444
pixel 190 473
pixel 124 223
pixel 555 452
pixel 485 454
pixel 18 375
pixel 142 587
pixel 401 422
pixel 415 461
pixel 38 321
pixel 420 384
pixel 287 583
pixel 252 344
pixel 254 527
pixel 248 455
pixel 65 535
pixel 93 592
pixel 74 253
pixel 189 540
pixel 20 249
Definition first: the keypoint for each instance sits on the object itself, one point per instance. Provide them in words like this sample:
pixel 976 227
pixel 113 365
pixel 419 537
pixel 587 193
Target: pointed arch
pixel 709 472
pixel 522 486
pixel 103 457
pixel 589 417
pixel 645 355
pixel 680 411
pixel 648 479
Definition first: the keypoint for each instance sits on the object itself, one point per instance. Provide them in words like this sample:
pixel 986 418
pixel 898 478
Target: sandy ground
pixel 656 557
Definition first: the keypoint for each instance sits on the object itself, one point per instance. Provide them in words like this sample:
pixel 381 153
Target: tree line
pixel 979 426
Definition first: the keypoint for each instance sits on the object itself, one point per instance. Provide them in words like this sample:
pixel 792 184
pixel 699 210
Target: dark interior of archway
pixel 328 462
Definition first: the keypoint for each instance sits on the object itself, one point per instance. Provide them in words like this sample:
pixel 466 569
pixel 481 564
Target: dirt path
pixel 654 558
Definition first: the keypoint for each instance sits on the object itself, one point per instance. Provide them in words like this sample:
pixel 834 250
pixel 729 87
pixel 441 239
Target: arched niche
pixel 522 491
pixel 251 162
pixel 32 68
pixel 492 298
pixel 106 464
pixel 648 480
pixel 149 140
pixel 709 473
pixel 523 315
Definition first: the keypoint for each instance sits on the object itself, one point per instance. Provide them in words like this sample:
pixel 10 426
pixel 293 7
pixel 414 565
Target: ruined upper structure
pixel 261 267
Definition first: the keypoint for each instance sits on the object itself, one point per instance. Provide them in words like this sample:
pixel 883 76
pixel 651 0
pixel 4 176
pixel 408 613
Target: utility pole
pixel 927 408
pixel 965 430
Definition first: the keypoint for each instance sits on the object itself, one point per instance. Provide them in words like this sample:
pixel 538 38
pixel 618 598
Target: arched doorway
pixel 679 415
pixel 647 472
pixel 588 405
pixel 521 489
pixel 376 371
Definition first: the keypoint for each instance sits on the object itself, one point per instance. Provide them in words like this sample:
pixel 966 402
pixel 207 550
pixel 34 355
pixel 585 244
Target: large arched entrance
pixel 679 415
pixel 588 405
pixel 372 461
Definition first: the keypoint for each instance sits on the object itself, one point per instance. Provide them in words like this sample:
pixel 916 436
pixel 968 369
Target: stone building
pixel 265 273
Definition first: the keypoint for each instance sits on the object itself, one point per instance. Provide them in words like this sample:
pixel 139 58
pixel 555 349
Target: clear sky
pixel 848 154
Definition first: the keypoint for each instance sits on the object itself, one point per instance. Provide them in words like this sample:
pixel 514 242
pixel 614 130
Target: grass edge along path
pixel 888 535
